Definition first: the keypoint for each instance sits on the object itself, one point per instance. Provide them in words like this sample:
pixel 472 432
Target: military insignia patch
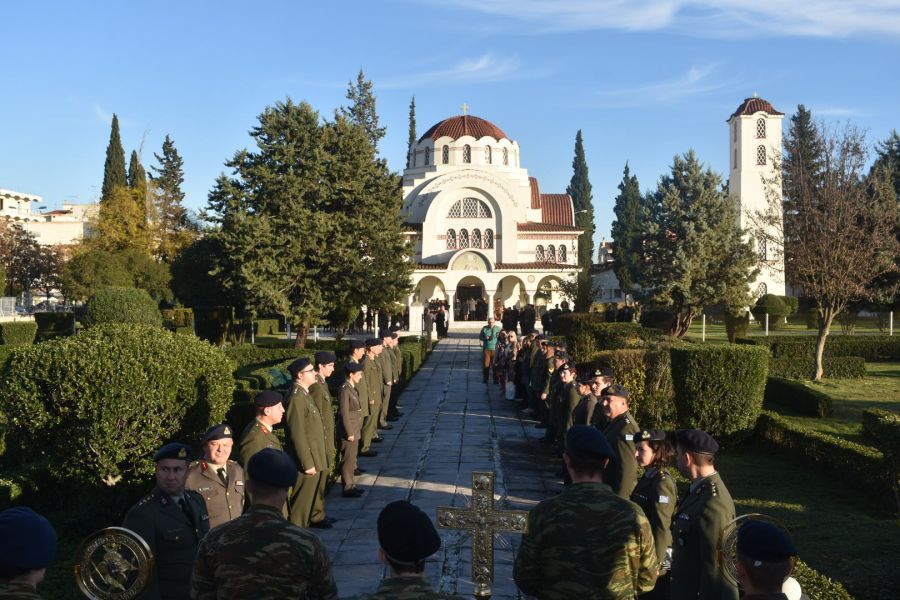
pixel 227 431
pixel 629 437
pixel 663 499
pixel 182 453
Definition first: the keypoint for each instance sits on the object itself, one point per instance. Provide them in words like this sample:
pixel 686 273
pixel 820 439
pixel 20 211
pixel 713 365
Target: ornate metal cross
pixel 482 521
pixel 465 108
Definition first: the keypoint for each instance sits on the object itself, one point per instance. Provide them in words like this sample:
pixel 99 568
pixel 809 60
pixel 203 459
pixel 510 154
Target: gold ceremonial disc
pixel 113 564
pixel 728 543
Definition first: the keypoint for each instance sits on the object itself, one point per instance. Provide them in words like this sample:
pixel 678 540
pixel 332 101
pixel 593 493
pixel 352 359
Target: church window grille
pixel 761 129
pixel 463 238
pixel 761 250
pixel 561 254
pixel 467 153
pixel 761 290
pixel 487 154
pixel 476 238
pixel 539 253
pixel 455 210
pixel 761 155
pixel 427 156
pixel 445 154
pixel 470 208
pixel 551 253
pixel 451 239
pixel 506 156
pixel 488 238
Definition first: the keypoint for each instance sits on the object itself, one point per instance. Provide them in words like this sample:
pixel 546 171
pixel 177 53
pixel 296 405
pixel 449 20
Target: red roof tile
pixel 535 192
pixel 557 209
pixel 461 125
pixel 754 105
pixel 532 226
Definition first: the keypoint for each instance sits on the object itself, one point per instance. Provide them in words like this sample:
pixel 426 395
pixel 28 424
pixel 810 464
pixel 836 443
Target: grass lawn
pixel 715 329
pixel 840 531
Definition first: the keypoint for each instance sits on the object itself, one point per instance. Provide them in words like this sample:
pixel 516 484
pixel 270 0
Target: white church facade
pixel 480 226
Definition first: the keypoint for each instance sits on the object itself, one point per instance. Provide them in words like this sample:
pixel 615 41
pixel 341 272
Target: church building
pixel 480 226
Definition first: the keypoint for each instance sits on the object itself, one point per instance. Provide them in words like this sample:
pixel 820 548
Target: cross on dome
pixel 465 108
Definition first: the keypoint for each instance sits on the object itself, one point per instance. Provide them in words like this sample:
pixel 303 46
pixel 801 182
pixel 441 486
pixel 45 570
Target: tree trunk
pixel 826 316
pixel 681 322
pixel 302 333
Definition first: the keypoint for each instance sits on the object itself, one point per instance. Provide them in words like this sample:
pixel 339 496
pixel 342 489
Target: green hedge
pixel 267 327
pixel 817 586
pixel 121 305
pixel 873 348
pixel 845 367
pixel 884 428
pixel 54 325
pixel 178 318
pixel 587 333
pixel 18 332
pixel 773 305
pixel 719 388
pixel 107 398
pixel 798 397
pixel 736 325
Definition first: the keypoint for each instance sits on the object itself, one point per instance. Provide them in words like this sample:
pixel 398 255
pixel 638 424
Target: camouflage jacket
pixel 657 494
pixel 262 555
pixel 586 543
pixel 408 588
pixel 18 591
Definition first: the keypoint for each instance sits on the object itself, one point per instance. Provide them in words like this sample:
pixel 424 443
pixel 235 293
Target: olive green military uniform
pixel 257 436
pixel 363 394
pixel 261 555
pixel 408 588
pixel 173 538
pixel 656 494
pixel 374 383
pixel 322 397
pixel 397 364
pixel 18 591
pixel 350 424
pixel 621 473
pixel 567 400
pixel 306 443
pixel 224 496
pixel 585 410
pixel 702 515
pixel 387 384
pixel 586 543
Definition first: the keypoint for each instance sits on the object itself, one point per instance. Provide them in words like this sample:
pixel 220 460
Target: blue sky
pixel 643 79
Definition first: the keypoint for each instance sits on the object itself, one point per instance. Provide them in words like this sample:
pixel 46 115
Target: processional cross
pixel 482 522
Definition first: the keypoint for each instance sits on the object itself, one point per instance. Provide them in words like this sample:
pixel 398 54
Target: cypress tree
pixel 114 168
pixel 626 230
pixel 137 177
pixel 582 199
pixel 412 129
pixel 803 152
pixel 362 108
pixel 170 213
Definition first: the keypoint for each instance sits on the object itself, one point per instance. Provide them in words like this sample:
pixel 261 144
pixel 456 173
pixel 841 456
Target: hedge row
pixel 54 325
pixel 587 333
pixel 884 428
pixel 798 397
pixel 18 332
pixel 121 305
pixel 817 586
pixel 844 367
pixel 873 348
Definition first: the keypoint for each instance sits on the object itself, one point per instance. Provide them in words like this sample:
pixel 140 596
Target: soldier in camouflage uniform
pixel 260 554
pixel 258 434
pixel 27 545
pixel 621 474
pixel 407 538
pixel 374 383
pixel 586 542
pixel 702 516
pixel 217 478
pixel 321 395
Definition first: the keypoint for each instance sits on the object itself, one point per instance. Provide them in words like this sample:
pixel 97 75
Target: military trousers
pixel 348 461
pixel 385 404
pixel 370 426
pixel 304 495
pixel 318 508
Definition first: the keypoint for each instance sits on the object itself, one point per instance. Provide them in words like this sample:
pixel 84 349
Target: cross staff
pixel 482 521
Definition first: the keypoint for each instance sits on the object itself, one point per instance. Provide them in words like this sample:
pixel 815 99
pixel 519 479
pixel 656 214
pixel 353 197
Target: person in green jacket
pixel 27 546
pixel 373 383
pixel 258 434
pixel 386 360
pixel 488 336
pixel 322 397
pixel 623 471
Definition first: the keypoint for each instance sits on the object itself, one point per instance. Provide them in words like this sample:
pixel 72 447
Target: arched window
pixel 427 156
pixel 551 253
pixel 506 156
pixel 760 155
pixel 476 238
pixel 488 238
pixel 463 238
pixel 539 253
pixel 561 253
pixel 470 208
pixel 487 154
pixel 761 249
pixel 467 153
pixel 445 154
pixel 761 290
pixel 451 239
pixel 761 129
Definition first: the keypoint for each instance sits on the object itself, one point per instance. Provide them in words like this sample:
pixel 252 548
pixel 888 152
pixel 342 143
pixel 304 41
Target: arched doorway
pixel 548 294
pixel 430 291
pixel 470 302
pixel 511 292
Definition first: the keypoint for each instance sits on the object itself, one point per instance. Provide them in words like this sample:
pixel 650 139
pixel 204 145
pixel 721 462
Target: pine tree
pixel 362 108
pixel 582 199
pixel 173 231
pixel 114 168
pixel 626 231
pixel 803 152
pixel 137 177
pixel 412 130
pixel 888 160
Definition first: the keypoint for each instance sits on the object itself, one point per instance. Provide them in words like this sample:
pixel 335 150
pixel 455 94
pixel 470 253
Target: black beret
pixel 385 333
pixel 267 398
pixel 352 367
pixel 650 435
pixel 218 432
pixel 695 440
pixel 603 372
pixel 561 355
pixel 354 344
pixel 373 342
pixel 27 539
pixel 298 365
pixel 569 366
pixel 173 450
pixel 585 378
pixel 406 534
pixel 272 467
pixel 615 390
pixel 764 541
pixel 583 441
pixel 323 357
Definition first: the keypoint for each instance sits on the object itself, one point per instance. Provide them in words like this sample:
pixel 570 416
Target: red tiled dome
pixel 458 126
pixel 754 105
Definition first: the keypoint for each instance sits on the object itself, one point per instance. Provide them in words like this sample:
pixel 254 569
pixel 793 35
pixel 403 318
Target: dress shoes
pixel 330 520
pixel 367 453
pixel 353 492
pixel 321 525
pixel 357 471
pixel 377 440
pixel 387 426
pixel 392 418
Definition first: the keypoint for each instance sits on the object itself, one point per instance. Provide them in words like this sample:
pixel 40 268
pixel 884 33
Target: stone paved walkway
pixel 453 424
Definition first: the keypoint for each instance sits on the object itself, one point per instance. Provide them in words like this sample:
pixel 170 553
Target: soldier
pixel 621 474
pixel 357 352
pixel 397 363
pixel 703 514
pixel 260 554
pixel 27 546
pixel 350 427
pixel 587 405
pixel 552 387
pixel 567 399
pixel 219 480
pixel 258 434
pixel 603 378
pixel 656 494
pixel 173 521
pixel 386 360
pixel 586 542
pixel 407 538
pixel 540 380
pixel 321 395
pixel 374 382
pixel 764 560
pixel 305 437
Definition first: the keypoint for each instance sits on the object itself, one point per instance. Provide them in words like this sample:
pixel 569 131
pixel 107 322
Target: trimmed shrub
pixel 175 319
pixel 817 586
pixel 873 348
pixel 772 305
pixel 54 325
pixel 121 305
pixel 798 397
pixel 267 326
pixel 18 332
pixel 848 367
pixel 114 394
pixel 212 324
pixel 587 333
pixel 736 325
pixel 884 428
pixel 793 304
pixel 719 388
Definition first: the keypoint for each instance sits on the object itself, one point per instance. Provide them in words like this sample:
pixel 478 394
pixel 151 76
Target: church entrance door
pixel 470 304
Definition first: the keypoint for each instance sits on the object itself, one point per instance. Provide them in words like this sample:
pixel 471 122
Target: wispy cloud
pixel 482 69
pixel 834 111
pixel 701 18
pixel 696 81
pixel 105 116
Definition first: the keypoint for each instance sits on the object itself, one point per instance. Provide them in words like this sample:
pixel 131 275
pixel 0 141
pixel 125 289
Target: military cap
pixel 354 344
pixel 173 450
pixel 560 355
pixel 583 441
pixel 385 333
pixel 695 440
pixel 615 390
pixel 373 342
pixel 650 435
pixel 267 398
pixel 298 365
pixel 603 372
pixel 272 467
pixel 352 367
pixel 569 366
pixel 406 534
pixel 764 542
pixel 218 432
pixel 323 357
pixel 27 539
pixel 585 378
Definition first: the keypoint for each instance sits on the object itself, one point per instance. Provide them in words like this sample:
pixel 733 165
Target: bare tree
pixel 836 233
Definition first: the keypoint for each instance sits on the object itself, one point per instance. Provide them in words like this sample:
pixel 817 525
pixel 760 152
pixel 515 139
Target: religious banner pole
pixel 482 522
